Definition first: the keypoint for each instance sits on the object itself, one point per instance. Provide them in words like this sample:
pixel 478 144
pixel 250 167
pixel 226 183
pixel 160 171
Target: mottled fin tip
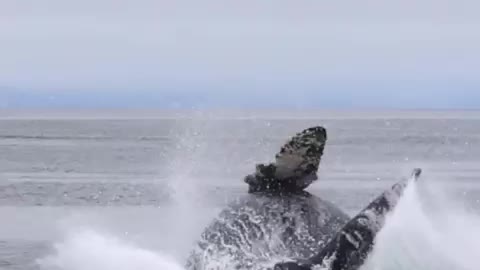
pixel 301 155
pixel 416 173
pixel 295 166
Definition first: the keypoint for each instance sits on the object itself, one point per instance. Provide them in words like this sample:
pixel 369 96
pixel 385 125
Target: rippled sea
pixel 156 182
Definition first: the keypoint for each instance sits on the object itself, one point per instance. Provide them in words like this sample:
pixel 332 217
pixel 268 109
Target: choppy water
pixel 134 194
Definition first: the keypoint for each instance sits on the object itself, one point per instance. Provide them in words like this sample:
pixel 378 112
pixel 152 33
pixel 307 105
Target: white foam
pixel 427 230
pixel 101 246
pixel 90 250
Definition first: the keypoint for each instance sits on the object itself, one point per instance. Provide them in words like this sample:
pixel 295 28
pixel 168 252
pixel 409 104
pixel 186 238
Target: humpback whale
pixel 277 220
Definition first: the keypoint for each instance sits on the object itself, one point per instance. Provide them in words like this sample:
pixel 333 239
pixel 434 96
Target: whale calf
pixel 276 218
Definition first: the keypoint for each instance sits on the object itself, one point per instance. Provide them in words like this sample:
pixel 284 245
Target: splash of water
pixel 419 235
pixel 89 250
pixel 427 230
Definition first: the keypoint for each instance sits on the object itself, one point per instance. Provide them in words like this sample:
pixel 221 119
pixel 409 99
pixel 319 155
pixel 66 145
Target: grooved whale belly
pixel 259 228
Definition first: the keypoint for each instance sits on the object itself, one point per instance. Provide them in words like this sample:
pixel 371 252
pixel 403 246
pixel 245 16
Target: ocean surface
pixel 88 193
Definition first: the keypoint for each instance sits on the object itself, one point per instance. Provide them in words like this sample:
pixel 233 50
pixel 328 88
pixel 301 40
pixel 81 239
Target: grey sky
pixel 245 46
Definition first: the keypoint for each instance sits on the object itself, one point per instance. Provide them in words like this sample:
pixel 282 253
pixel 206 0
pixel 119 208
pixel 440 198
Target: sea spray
pixel 428 230
pixel 90 250
pixel 191 212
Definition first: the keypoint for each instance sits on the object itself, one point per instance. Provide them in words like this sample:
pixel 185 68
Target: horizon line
pixel 233 113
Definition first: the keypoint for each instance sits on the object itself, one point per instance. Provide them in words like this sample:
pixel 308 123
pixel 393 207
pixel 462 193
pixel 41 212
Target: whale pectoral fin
pixel 349 248
pixel 295 166
pixel 301 155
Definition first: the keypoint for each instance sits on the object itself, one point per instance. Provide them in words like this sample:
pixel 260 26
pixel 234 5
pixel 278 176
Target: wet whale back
pixel 259 228
pixel 277 219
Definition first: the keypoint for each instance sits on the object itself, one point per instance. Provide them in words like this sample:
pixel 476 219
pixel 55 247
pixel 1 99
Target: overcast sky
pixel 422 53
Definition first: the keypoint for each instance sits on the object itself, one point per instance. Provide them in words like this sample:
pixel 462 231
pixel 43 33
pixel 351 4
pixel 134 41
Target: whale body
pixel 257 229
pixel 277 220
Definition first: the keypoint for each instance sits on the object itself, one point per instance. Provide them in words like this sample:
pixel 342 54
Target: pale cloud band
pixel 175 44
